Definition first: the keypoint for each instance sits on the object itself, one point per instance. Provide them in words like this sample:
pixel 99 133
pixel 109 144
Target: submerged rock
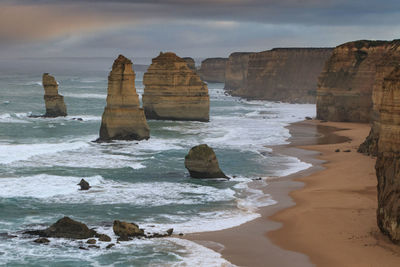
pixel 202 162
pixel 65 228
pixel 42 240
pixel 103 238
pixel 126 230
pixel 123 119
pixel 84 185
pixel 173 91
pixel 54 102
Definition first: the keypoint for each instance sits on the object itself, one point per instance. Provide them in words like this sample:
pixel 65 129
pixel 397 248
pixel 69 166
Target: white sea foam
pixel 86 95
pixel 11 118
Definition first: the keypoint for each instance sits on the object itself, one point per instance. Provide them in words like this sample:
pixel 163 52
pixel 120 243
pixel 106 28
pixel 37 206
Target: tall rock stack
pixel 346 83
pixel 213 70
pixel 236 71
pixel 284 74
pixel 54 102
pixel 123 119
pixel 383 68
pixel 173 91
pixel 388 160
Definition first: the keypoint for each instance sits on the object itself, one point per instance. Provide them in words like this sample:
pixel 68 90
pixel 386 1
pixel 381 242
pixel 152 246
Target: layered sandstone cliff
pixel 236 70
pixel 173 91
pixel 346 83
pixel 284 74
pixel 123 119
pixel 190 62
pixel 213 70
pixel 384 67
pixel 388 161
pixel 54 102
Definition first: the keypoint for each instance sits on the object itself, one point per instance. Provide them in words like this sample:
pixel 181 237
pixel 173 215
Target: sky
pixel 207 28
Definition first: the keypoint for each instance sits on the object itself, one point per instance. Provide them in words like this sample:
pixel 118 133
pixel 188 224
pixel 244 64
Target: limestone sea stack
pixel 123 119
pixel 284 74
pixel 236 70
pixel 213 70
pixel 384 67
pixel 190 62
pixel 54 102
pixel 388 160
pixel 346 83
pixel 173 91
pixel 202 162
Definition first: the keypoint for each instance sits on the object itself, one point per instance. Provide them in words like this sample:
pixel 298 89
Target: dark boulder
pixel 84 184
pixel 202 162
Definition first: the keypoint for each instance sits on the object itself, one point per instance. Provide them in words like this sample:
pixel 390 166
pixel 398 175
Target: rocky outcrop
pixel 346 83
pixel 54 102
pixel 284 74
pixel 202 162
pixel 123 119
pixel 236 70
pixel 388 160
pixel 213 70
pixel 190 62
pixel 66 228
pixel 384 67
pixel 125 229
pixel 173 91
pixel 84 184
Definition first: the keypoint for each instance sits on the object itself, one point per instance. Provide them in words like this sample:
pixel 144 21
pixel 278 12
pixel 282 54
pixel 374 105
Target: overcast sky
pixel 207 28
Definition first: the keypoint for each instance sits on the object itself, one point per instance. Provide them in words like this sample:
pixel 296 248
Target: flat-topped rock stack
pixel 346 83
pixel 213 70
pixel 123 119
pixel 54 102
pixel 173 91
pixel 388 160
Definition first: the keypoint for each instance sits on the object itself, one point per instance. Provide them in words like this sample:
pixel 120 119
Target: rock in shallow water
pixel 125 229
pixel 84 184
pixel 202 162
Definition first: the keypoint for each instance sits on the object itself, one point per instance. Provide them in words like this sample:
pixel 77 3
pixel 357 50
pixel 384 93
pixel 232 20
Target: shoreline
pixel 246 244
pixel 324 216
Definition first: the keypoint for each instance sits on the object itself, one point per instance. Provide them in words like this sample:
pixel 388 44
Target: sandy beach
pixel 325 215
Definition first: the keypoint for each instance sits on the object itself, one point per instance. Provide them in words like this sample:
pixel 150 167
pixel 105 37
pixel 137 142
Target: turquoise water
pixel 42 160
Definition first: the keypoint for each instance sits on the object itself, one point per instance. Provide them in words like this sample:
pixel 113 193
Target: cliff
pixel 123 119
pixel 54 102
pixel 388 160
pixel 190 62
pixel 284 74
pixel 236 70
pixel 346 83
pixel 213 70
pixel 384 67
pixel 173 91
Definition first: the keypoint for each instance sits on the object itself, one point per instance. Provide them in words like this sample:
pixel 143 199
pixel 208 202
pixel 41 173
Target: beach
pixel 324 216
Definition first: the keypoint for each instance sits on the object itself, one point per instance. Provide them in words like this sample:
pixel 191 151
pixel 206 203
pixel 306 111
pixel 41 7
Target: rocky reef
pixel 346 83
pixel 236 70
pixel 213 70
pixel 54 102
pixel 284 74
pixel 384 67
pixel 190 62
pixel 123 119
pixel 202 162
pixel 388 160
pixel 173 91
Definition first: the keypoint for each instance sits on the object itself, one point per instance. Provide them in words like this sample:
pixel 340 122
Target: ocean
pixel 43 159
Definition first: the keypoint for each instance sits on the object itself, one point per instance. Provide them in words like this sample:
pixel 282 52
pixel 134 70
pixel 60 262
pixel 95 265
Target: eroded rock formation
pixel 123 119
pixel 202 162
pixel 384 67
pixel 388 160
pixel 54 102
pixel 236 70
pixel 190 62
pixel 346 83
pixel 213 70
pixel 173 91
pixel 284 74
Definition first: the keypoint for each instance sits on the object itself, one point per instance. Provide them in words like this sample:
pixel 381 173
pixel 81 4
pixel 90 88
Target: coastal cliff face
pixel 173 91
pixel 54 102
pixel 213 70
pixel 284 74
pixel 236 70
pixel 346 83
pixel 388 160
pixel 123 119
pixel 190 62
pixel 386 65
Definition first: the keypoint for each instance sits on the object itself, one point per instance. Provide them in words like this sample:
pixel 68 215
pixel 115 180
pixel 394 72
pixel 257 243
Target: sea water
pixel 43 159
